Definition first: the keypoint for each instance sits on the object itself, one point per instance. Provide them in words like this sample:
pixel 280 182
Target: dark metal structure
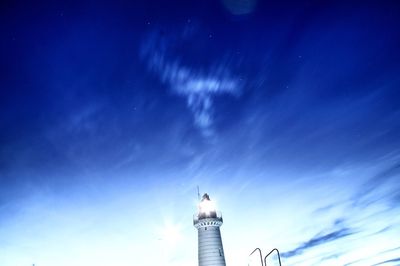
pixel 264 262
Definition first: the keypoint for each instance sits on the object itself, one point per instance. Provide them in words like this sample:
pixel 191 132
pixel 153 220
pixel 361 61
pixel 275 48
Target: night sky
pixel 286 113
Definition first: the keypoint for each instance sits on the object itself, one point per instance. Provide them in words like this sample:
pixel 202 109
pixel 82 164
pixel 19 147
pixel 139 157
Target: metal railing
pixel 259 250
pixel 264 262
pixel 279 256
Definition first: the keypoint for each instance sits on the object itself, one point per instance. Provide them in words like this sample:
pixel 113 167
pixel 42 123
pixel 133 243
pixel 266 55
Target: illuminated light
pixel 207 206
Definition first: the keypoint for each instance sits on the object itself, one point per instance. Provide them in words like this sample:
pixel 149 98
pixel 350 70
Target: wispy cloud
pixel 382 187
pixel 387 261
pixel 318 240
pixel 385 252
pixel 367 210
pixel 198 85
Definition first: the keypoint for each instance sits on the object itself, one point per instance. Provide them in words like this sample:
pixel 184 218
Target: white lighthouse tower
pixel 208 221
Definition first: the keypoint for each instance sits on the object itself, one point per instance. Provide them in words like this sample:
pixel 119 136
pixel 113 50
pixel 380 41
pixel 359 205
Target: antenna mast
pixel 198 193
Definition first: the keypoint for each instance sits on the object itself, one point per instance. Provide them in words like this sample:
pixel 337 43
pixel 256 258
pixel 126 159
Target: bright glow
pixel 207 206
pixel 171 235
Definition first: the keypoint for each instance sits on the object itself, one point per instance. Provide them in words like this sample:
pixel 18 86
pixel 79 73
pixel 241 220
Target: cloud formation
pixel 317 240
pixel 387 261
pixel 382 187
pixel 367 210
pixel 197 85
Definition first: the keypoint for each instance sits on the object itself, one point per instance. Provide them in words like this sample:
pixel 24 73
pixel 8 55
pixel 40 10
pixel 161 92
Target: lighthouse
pixel 207 222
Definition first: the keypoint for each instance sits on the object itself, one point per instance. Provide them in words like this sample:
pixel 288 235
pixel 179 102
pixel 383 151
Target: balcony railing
pixel 207 217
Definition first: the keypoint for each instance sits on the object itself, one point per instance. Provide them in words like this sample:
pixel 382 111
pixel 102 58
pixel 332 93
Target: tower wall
pixel 210 249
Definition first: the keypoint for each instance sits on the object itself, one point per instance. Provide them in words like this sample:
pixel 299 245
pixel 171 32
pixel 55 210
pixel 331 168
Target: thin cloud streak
pixel 383 186
pixel 318 240
pixel 387 261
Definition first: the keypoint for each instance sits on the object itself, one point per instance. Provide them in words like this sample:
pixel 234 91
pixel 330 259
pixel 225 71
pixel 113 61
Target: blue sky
pixel 287 114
